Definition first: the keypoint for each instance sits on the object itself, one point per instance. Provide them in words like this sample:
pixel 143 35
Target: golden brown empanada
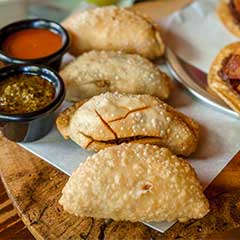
pixel 96 72
pixel 112 118
pixel 113 28
pixel 229 13
pixel 224 75
pixel 135 182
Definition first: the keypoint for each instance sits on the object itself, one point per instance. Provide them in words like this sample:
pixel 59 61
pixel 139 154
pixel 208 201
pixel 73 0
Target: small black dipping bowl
pixel 52 60
pixel 28 127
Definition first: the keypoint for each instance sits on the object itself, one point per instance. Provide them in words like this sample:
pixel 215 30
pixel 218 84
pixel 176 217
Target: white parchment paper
pixel 196 35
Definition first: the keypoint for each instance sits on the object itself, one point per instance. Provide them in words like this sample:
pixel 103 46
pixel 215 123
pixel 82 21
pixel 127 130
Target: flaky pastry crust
pixel 222 88
pixel 111 118
pixel 227 18
pixel 96 72
pixel 113 28
pixel 135 182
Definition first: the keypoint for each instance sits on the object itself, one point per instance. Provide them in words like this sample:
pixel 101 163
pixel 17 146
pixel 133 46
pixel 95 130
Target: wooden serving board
pixel 35 188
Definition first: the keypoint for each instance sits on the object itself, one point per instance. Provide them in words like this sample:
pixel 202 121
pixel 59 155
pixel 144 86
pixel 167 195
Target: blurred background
pixel 11 10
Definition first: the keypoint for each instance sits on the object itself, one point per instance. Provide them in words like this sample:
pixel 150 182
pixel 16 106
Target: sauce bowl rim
pixel 42 72
pixel 63 34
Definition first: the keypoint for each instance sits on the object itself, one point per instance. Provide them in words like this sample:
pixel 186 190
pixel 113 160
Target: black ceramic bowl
pixel 52 60
pixel 31 126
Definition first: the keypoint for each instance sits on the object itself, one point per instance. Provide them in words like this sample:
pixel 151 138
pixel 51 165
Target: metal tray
pixel 195 81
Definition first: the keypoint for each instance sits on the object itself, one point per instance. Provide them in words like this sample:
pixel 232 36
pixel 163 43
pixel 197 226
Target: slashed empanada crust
pixel 113 28
pixel 111 118
pixel 222 88
pixel 107 71
pixel 227 18
pixel 135 182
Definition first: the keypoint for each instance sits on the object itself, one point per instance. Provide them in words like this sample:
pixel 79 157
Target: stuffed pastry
pixel 135 182
pixel 101 71
pixel 113 28
pixel 224 75
pixel 229 13
pixel 111 119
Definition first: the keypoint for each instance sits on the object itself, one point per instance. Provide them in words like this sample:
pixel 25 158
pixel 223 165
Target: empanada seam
pixel 115 141
pixel 157 33
pixel 189 124
pixel 66 116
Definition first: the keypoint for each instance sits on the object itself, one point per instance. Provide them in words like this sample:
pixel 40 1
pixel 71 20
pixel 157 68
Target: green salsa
pixel 25 93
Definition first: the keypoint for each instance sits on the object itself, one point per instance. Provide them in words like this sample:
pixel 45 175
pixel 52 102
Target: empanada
pixel 229 13
pixel 224 75
pixel 101 71
pixel 135 182
pixel 113 28
pixel 111 118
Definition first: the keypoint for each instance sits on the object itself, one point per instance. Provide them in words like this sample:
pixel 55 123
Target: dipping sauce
pixel 31 43
pixel 25 93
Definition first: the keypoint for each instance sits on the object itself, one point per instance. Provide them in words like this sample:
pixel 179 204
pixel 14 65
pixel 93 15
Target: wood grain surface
pixel 11 226
pixel 35 188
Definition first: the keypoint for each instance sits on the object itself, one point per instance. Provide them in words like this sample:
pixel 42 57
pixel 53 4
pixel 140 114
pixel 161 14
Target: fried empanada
pixel 112 118
pixel 113 28
pixel 102 71
pixel 224 75
pixel 135 182
pixel 229 13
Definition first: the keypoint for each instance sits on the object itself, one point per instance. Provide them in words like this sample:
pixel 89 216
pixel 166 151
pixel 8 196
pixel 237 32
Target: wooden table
pixel 35 187
pixel 11 226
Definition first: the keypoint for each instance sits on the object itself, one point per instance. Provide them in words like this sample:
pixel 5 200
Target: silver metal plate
pixel 195 81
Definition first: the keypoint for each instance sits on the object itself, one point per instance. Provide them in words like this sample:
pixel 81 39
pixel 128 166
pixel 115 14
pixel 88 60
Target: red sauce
pixel 31 43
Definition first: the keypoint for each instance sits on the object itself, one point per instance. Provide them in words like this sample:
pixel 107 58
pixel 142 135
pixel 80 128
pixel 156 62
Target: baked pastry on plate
pixel 229 13
pixel 135 182
pixel 111 119
pixel 96 72
pixel 113 28
pixel 224 75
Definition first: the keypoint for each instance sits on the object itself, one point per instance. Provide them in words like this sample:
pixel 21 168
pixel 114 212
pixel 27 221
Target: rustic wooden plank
pixel 11 226
pixel 227 180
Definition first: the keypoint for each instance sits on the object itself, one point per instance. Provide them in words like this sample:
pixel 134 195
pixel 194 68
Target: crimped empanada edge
pixel 156 28
pixel 63 120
